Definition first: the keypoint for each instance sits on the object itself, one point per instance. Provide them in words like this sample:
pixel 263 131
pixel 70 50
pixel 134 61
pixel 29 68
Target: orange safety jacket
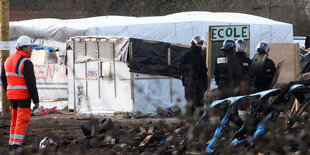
pixel 14 66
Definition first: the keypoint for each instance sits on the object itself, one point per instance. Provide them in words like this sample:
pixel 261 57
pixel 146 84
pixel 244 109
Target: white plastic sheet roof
pixel 173 28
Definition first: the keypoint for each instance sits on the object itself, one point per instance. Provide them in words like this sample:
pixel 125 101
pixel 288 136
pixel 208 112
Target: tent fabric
pixel 173 28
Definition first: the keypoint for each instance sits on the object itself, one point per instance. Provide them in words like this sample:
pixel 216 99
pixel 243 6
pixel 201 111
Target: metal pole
pixel 4 19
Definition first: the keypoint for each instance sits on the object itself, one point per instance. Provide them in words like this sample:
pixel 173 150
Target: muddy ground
pixel 64 129
pixel 129 132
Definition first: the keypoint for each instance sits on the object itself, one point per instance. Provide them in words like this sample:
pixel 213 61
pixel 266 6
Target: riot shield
pixel 256 67
pixel 277 73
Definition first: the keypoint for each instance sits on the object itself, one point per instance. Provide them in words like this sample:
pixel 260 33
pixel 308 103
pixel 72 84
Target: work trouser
pixel 20 117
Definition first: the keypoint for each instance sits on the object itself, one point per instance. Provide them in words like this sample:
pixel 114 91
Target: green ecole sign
pixel 219 33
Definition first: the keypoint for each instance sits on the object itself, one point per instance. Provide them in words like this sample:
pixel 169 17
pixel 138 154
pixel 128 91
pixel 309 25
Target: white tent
pixel 174 28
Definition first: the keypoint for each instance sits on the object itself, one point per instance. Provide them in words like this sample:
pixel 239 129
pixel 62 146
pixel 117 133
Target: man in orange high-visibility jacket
pixel 19 82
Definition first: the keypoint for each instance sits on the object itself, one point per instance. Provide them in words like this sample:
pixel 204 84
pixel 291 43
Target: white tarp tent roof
pixel 174 28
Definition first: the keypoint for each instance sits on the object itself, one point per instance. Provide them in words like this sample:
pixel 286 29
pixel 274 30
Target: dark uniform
pixel 245 63
pixel 264 78
pixel 227 73
pixel 194 75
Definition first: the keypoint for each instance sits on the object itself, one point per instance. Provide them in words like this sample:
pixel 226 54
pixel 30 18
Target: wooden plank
pixel 142 130
pixel 98 66
pixel 146 140
pixel 180 45
pixel 288 50
pixel 297 62
pixel 123 79
pixel 54 100
pixel 132 87
pixel 150 78
pixel 148 137
pixel 208 57
pixel 169 56
pixel 151 129
pixel 114 70
pixel 171 92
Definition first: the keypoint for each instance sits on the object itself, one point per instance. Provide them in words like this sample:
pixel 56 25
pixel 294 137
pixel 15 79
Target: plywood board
pixel 290 67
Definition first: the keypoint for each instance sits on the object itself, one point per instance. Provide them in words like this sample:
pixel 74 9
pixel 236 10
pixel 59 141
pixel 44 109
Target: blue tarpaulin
pixel 50 49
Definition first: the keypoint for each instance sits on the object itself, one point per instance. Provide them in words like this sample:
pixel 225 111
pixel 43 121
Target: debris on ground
pixel 43 111
pixel 97 126
pixel 46 142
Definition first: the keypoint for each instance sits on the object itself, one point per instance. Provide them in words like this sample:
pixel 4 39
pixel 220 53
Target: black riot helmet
pixel 262 48
pixel 229 44
pixel 242 45
pixel 197 40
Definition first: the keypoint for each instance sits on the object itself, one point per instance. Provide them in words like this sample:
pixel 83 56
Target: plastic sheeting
pixel 174 28
pixel 156 58
pixel 151 92
pixel 84 49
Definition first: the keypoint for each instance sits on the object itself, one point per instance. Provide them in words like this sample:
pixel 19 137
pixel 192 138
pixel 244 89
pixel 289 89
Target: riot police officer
pixel 227 71
pixel 264 77
pixel 245 63
pixel 194 73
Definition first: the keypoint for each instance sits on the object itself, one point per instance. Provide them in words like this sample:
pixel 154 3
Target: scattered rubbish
pixel 123 145
pixel 148 137
pixel 64 144
pixel 97 126
pixel 175 110
pixel 113 141
pixel 162 112
pixel 44 111
pixel 160 143
pixel 171 111
pixel 46 142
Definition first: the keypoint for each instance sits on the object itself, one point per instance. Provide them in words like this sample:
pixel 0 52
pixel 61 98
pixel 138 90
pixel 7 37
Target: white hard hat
pixel 24 41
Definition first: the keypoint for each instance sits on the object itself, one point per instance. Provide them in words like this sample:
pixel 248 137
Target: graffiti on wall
pixel 50 73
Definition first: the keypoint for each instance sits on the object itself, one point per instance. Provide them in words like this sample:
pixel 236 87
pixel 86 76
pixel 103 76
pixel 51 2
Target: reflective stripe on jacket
pixel 14 66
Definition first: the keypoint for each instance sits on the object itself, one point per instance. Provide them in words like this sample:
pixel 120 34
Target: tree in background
pixel 290 11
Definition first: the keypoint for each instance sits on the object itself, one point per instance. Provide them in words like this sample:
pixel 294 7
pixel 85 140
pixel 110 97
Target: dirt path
pixel 65 128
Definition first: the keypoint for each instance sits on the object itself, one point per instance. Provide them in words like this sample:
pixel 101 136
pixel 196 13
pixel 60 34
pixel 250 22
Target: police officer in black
pixel 245 63
pixel 194 73
pixel 228 73
pixel 264 77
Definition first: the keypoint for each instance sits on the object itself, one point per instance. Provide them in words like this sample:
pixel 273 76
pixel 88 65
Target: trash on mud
pixel 168 112
pixel 43 111
pixel 46 142
pixel 97 126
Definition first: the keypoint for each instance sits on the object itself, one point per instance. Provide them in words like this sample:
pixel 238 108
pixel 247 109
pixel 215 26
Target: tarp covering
pixel 174 28
pixel 157 58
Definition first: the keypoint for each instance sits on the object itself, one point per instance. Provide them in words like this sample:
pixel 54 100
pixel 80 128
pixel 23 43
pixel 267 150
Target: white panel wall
pixel 151 92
